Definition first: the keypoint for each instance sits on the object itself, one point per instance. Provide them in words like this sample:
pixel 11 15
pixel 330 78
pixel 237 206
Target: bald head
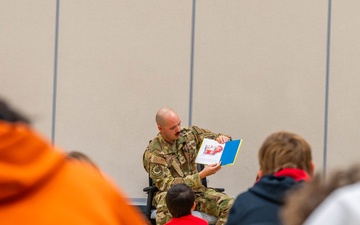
pixel 163 115
pixel 168 123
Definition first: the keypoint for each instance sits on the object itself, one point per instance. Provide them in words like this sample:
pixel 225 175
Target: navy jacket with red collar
pixel 261 203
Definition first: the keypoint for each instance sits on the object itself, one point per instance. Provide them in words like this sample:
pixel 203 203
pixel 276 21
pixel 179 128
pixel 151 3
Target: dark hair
pixel 180 199
pixel 8 114
pixel 76 155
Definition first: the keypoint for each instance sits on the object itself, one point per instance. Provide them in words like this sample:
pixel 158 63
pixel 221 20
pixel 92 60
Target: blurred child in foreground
pixel 39 185
pixel 331 201
pixel 285 161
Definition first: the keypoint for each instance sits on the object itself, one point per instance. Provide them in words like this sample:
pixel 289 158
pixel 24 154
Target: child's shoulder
pixel 198 220
pixel 188 220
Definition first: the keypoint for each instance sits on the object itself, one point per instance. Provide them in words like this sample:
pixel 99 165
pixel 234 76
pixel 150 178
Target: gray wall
pixel 259 67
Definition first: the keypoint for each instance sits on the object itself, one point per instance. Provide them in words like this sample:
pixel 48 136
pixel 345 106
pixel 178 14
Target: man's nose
pixel 178 128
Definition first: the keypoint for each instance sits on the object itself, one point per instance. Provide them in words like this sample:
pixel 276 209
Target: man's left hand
pixel 222 139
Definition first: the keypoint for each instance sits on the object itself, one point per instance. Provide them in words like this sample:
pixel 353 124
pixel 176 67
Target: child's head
pixel 285 150
pixel 180 200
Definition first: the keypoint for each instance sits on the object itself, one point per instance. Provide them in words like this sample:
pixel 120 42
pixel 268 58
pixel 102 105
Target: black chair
pixel 151 210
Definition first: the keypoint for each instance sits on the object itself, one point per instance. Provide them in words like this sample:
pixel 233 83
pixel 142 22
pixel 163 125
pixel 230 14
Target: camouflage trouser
pixel 210 201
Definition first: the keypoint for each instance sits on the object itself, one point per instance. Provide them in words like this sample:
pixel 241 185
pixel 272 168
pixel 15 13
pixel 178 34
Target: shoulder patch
pixel 156 171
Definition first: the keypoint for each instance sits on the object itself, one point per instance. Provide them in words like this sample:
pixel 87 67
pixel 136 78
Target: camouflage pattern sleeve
pixel 205 133
pixel 166 172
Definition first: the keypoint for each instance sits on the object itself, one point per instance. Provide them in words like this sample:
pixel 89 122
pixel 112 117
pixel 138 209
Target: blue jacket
pixel 260 204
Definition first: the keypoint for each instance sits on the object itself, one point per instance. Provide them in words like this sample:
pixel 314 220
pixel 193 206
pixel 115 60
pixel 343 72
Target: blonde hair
pixel 285 150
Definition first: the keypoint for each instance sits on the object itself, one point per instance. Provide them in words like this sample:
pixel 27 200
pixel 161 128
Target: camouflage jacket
pixel 169 164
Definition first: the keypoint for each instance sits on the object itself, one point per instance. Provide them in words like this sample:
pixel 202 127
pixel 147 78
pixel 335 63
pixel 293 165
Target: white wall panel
pixel 259 67
pixel 26 61
pixel 118 63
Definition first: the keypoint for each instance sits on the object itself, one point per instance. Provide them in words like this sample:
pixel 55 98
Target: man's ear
pixel 159 127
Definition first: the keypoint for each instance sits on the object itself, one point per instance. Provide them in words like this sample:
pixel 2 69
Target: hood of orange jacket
pixel 39 186
pixel 26 159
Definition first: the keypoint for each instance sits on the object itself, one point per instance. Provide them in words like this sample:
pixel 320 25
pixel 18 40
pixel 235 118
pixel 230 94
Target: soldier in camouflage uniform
pixel 170 159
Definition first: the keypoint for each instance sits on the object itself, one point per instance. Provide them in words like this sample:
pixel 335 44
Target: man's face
pixel 171 129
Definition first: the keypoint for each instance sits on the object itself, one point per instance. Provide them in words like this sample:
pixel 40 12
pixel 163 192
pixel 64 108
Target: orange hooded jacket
pixel 39 186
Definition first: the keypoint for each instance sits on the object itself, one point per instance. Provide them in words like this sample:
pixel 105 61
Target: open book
pixel 211 152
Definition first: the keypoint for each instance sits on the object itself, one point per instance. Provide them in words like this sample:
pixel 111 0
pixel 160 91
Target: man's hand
pixel 210 170
pixel 222 139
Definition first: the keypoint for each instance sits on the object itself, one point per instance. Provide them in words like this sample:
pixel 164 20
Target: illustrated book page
pixel 212 152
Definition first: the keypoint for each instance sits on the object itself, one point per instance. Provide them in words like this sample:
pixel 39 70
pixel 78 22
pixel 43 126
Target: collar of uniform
pixel 180 143
pixel 173 148
pixel 167 148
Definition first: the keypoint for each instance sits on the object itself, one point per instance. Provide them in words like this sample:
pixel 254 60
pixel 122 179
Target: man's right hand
pixel 210 170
